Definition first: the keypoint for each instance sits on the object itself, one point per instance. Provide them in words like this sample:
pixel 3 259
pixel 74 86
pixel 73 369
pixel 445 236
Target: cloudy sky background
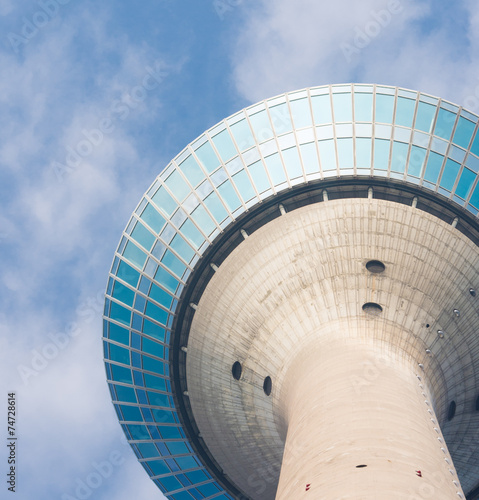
pixel 158 73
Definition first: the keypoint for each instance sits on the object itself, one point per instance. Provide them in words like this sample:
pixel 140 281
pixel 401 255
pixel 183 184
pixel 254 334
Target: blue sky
pixel 95 99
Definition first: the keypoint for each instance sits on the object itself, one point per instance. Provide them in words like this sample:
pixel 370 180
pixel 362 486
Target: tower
pixel 291 311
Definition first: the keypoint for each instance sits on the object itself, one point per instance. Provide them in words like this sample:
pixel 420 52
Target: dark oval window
pixel 452 410
pixel 236 370
pixel 477 403
pixel 360 466
pixel 375 266
pixel 267 385
pixel 372 308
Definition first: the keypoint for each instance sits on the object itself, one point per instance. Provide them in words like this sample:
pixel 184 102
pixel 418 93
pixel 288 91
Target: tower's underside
pixel 349 387
pixel 238 354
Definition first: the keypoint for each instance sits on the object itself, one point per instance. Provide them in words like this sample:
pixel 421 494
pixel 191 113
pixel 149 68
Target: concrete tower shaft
pixel 288 304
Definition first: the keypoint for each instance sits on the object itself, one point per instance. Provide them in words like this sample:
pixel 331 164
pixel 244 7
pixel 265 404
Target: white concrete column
pixel 360 426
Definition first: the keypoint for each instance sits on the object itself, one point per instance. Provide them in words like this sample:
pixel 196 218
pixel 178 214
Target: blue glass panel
pixel 261 126
pixel 381 154
pixel 301 113
pixel 363 107
pixel 310 158
pixel 416 161
pixel 208 489
pixel 192 234
pixel 148 417
pixel 275 169
pixel 229 196
pixel 154 348
pixel 384 108
pixel 149 450
pixel 135 359
pixel 321 105
pixel 243 184
pixel 123 294
pixel 135 341
pixel 363 152
pixel 327 154
pixel 131 413
pixel 160 296
pixel 183 479
pixel 449 175
pixel 126 394
pixel 192 171
pixel 134 255
pixel 281 119
pixel 169 432
pixel 153 382
pixel 444 124
pixel 345 153
pixel 207 157
pixel 260 179
pixel 224 145
pixel 119 334
pixel 186 463
pixel 216 208
pixel 139 306
pixel 136 322
pixel 474 201
pixel 128 274
pixel 184 495
pixel 121 374
pixel 464 131
pixel 142 399
pixel 119 354
pixel 399 156
pixel 177 448
pixel 163 200
pixel 179 245
pixel 178 186
pixel 163 416
pixel 170 483
pixel 425 117
pixel 156 313
pixel 153 330
pixel 405 111
pixel 153 365
pixel 465 183
pixel 433 167
pixel 153 218
pixel 242 134
pixel 292 162
pixel 173 263
pixel 343 107
pixel 166 279
pixel 120 314
pixel 158 467
pixel 197 476
pixel 158 399
pixel 138 378
pixel 203 220
pixel 138 432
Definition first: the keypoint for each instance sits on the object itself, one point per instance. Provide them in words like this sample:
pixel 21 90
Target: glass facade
pixel 289 140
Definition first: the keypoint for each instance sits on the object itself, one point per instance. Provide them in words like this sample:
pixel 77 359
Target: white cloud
pixel 286 45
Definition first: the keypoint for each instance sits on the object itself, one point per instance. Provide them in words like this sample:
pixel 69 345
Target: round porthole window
pixel 372 308
pixel 375 266
pixel 267 385
pixel 452 410
pixel 236 370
